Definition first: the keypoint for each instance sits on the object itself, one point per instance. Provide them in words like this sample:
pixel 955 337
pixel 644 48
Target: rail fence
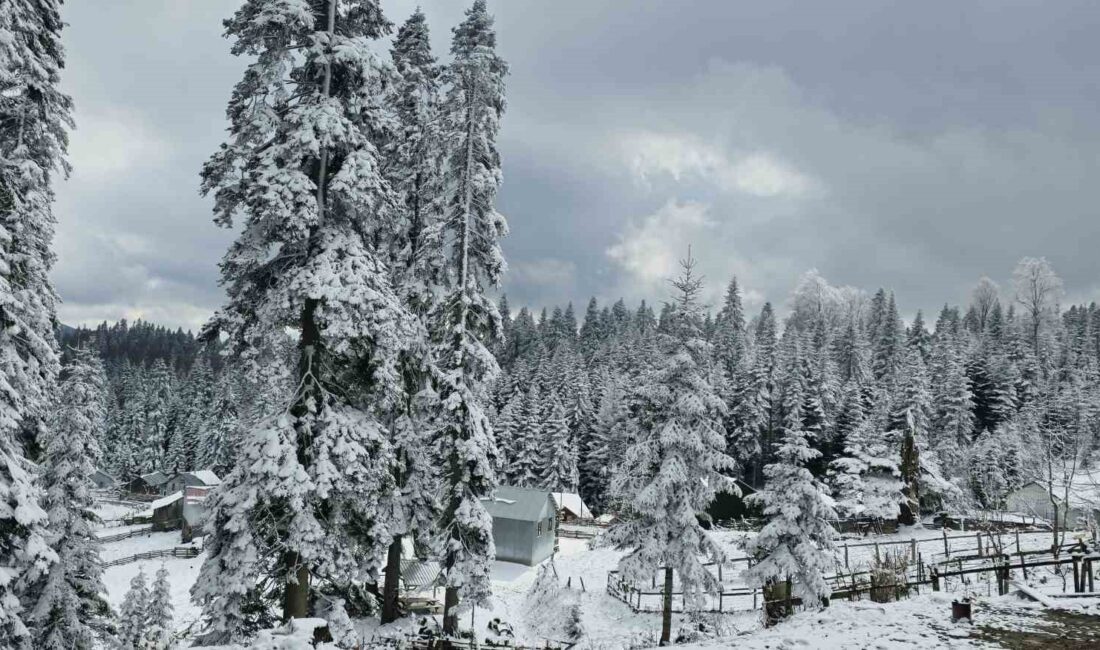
pixel 126 535
pixel 179 551
pixel 852 584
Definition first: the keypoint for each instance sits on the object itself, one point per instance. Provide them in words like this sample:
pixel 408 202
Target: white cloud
pixel 110 142
pixel 649 249
pixel 684 156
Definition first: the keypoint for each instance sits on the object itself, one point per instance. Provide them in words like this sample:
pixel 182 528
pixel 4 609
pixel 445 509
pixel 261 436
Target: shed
pixel 524 524
pixel 571 507
pixel 148 484
pixel 101 480
pixel 167 512
pixel 1033 498
pixel 197 478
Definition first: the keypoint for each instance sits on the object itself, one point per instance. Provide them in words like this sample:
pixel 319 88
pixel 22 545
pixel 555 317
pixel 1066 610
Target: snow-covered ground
pixel 107 511
pixel 922 621
pixel 182 572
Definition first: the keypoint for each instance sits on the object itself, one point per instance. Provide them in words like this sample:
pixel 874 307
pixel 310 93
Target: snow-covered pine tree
pixel 559 453
pixel 220 438
pixel 133 616
pixel 596 470
pixel 414 164
pixel 677 462
pixel 796 542
pixel 865 478
pixel 157 403
pixel 468 320
pixel 71 611
pixel 158 631
pixel 552 611
pixel 301 173
pixel 910 423
pixel 34 118
pixel 729 339
pixel 886 347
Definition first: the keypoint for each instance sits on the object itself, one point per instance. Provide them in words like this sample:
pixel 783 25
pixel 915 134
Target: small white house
pixel 1034 498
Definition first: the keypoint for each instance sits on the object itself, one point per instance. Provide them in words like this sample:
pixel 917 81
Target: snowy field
pixel 922 621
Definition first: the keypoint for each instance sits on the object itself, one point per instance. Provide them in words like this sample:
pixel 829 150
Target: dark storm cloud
pixel 916 146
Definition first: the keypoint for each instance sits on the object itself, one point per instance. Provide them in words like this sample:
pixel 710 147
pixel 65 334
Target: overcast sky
pixel 915 146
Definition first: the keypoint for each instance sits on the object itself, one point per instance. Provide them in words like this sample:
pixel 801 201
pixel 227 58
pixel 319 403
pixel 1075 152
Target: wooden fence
pixel 179 551
pixel 130 533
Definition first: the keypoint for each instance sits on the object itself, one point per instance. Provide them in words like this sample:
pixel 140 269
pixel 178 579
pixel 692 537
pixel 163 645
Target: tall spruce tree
pixel 71 610
pixel 34 118
pixel 468 320
pixel 301 513
pixel 677 461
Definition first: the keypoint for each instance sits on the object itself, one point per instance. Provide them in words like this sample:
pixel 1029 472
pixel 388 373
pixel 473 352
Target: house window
pixel 540 529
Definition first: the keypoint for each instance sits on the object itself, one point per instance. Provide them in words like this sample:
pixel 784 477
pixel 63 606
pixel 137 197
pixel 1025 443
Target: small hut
pixel 102 480
pixel 524 524
pixel 167 512
pixel 571 507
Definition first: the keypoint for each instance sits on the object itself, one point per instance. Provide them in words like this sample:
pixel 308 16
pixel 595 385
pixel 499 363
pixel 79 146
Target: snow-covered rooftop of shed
pixel 522 504
pixel 160 503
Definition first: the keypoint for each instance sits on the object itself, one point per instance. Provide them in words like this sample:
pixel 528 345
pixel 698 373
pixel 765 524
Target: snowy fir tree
pixel 559 453
pixel 133 616
pixel 467 320
pixel 157 634
pixel 34 118
pixel 677 461
pixel 795 544
pixel 302 510
pixel 553 611
pixel 71 609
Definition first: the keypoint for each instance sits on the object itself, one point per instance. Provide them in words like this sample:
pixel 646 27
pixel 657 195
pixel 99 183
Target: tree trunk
pixel 910 470
pixel 296 594
pixel 666 614
pixel 390 609
pixel 450 612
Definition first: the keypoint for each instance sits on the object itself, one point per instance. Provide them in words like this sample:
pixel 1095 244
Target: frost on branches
pixel 676 460
pixel 467 320
pixel 71 609
pixel 34 117
pixel 301 179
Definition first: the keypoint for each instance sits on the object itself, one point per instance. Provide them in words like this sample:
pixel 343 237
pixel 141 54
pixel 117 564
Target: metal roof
pixel 419 574
pixel 520 504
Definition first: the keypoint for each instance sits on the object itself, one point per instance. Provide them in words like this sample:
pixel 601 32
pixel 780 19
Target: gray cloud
pixel 915 146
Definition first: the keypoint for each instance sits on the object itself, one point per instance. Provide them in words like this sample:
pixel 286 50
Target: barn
pixel 524 524
pixel 197 478
pixel 148 484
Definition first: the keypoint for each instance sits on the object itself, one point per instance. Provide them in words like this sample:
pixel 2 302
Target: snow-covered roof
pixel 521 504
pixel 171 498
pixel 573 503
pixel 155 478
pixel 206 476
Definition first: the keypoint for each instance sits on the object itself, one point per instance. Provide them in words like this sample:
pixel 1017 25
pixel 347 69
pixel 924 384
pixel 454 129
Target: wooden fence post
pixel 980 553
pixel 946 547
pixel 845 555
pixel 935 578
pixel 1076 573
pixel 1018 540
pixel 913 548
